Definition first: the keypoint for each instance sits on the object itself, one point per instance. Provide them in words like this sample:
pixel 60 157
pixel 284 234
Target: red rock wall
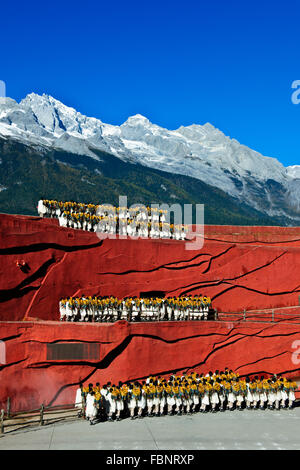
pixel 238 267
pixel 133 351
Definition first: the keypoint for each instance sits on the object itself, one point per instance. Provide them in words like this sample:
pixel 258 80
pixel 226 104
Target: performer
pixel 271 394
pixel 169 396
pixel 131 401
pixel 262 393
pixel 187 398
pixel 135 309
pixel 141 399
pixel 291 393
pixel 150 393
pixel 111 399
pixel 157 398
pixel 178 398
pixel 169 308
pixel 42 209
pixel 91 409
pixel 284 393
pixel 248 394
pixel 105 402
pixel 214 399
pixel 80 400
pixel 62 309
pixel 240 395
pixel 255 392
pixel 278 386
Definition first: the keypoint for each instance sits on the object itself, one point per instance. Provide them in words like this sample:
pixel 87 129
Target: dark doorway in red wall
pixel 152 293
pixel 72 351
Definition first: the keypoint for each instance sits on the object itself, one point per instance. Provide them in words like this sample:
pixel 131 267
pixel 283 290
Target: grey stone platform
pixel 236 430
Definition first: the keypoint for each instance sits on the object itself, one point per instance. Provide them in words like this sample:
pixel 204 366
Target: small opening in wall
pixel 152 293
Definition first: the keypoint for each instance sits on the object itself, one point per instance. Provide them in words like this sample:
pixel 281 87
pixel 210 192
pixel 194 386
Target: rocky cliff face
pixel 199 151
pixel 46 361
pixel 239 267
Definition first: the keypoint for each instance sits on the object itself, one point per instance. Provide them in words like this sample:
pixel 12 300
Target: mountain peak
pixel 7 102
pixel 201 151
pixel 137 119
pixel 33 99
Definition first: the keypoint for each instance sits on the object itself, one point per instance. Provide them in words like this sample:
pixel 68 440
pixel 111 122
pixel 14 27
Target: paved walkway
pixel 237 430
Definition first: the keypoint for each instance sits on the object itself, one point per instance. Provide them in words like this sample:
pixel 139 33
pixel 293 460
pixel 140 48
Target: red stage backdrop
pixel 238 267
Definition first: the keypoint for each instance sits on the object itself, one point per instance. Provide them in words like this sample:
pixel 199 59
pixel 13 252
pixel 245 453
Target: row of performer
pixel 111 309
pixel 53 208
pixel 184 394
pixel 134 222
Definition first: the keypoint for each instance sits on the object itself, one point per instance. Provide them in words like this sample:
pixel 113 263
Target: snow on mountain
pixel 293 171
pixel 200 151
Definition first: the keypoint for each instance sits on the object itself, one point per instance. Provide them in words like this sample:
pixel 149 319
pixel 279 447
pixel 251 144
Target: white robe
pixel 170 400
pixel 263 396
pixel 231 397
pixel 105 402
pixel 215 398
pixel 111 403
pixel 141 402
pixel 90 410
pixel 62 310
pixel 120 404
pixel 291 395
pixel 196 400
pixel 78 399
pixel 41 208
pixel 132 402
pixel 205 399
pixel 272 396
pixel 249 395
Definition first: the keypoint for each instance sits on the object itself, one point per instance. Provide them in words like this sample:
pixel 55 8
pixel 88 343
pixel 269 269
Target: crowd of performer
pixel 184 394
pixel 139 221
pixel 111 309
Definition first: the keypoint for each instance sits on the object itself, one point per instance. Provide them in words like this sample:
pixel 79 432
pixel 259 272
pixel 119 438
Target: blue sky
pixel 230 63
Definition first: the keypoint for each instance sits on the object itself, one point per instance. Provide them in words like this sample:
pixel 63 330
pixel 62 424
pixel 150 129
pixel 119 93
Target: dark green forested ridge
pixel 29 173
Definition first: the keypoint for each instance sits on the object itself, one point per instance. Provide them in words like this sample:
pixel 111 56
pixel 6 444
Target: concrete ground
pixel 236 430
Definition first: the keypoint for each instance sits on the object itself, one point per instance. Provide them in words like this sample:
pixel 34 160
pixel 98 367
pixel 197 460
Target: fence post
pixel 273 316
pixel 8 408
pixel 42 415
pixel 2 422
pixel 244 314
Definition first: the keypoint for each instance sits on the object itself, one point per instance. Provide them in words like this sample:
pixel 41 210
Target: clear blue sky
pixel 230 63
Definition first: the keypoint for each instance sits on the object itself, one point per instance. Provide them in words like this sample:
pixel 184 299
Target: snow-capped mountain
pixel 200 151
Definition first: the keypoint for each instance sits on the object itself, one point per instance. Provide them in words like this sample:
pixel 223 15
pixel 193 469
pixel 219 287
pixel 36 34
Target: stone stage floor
pixel 236 430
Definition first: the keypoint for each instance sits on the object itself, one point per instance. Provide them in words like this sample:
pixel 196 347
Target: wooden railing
pixel 270 315
pixel 39 417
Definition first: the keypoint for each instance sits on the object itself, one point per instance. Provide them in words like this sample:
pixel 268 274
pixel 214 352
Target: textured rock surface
pixel 239 267
pixel 124 351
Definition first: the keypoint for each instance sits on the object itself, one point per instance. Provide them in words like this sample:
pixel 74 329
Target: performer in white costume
pixel 214 398
pixel 79 400
pixel 111 402
pixel 42 209
pixel 90 409
pixel 62 309
pixel 141 401
pixel 205 401
pixel 248 394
